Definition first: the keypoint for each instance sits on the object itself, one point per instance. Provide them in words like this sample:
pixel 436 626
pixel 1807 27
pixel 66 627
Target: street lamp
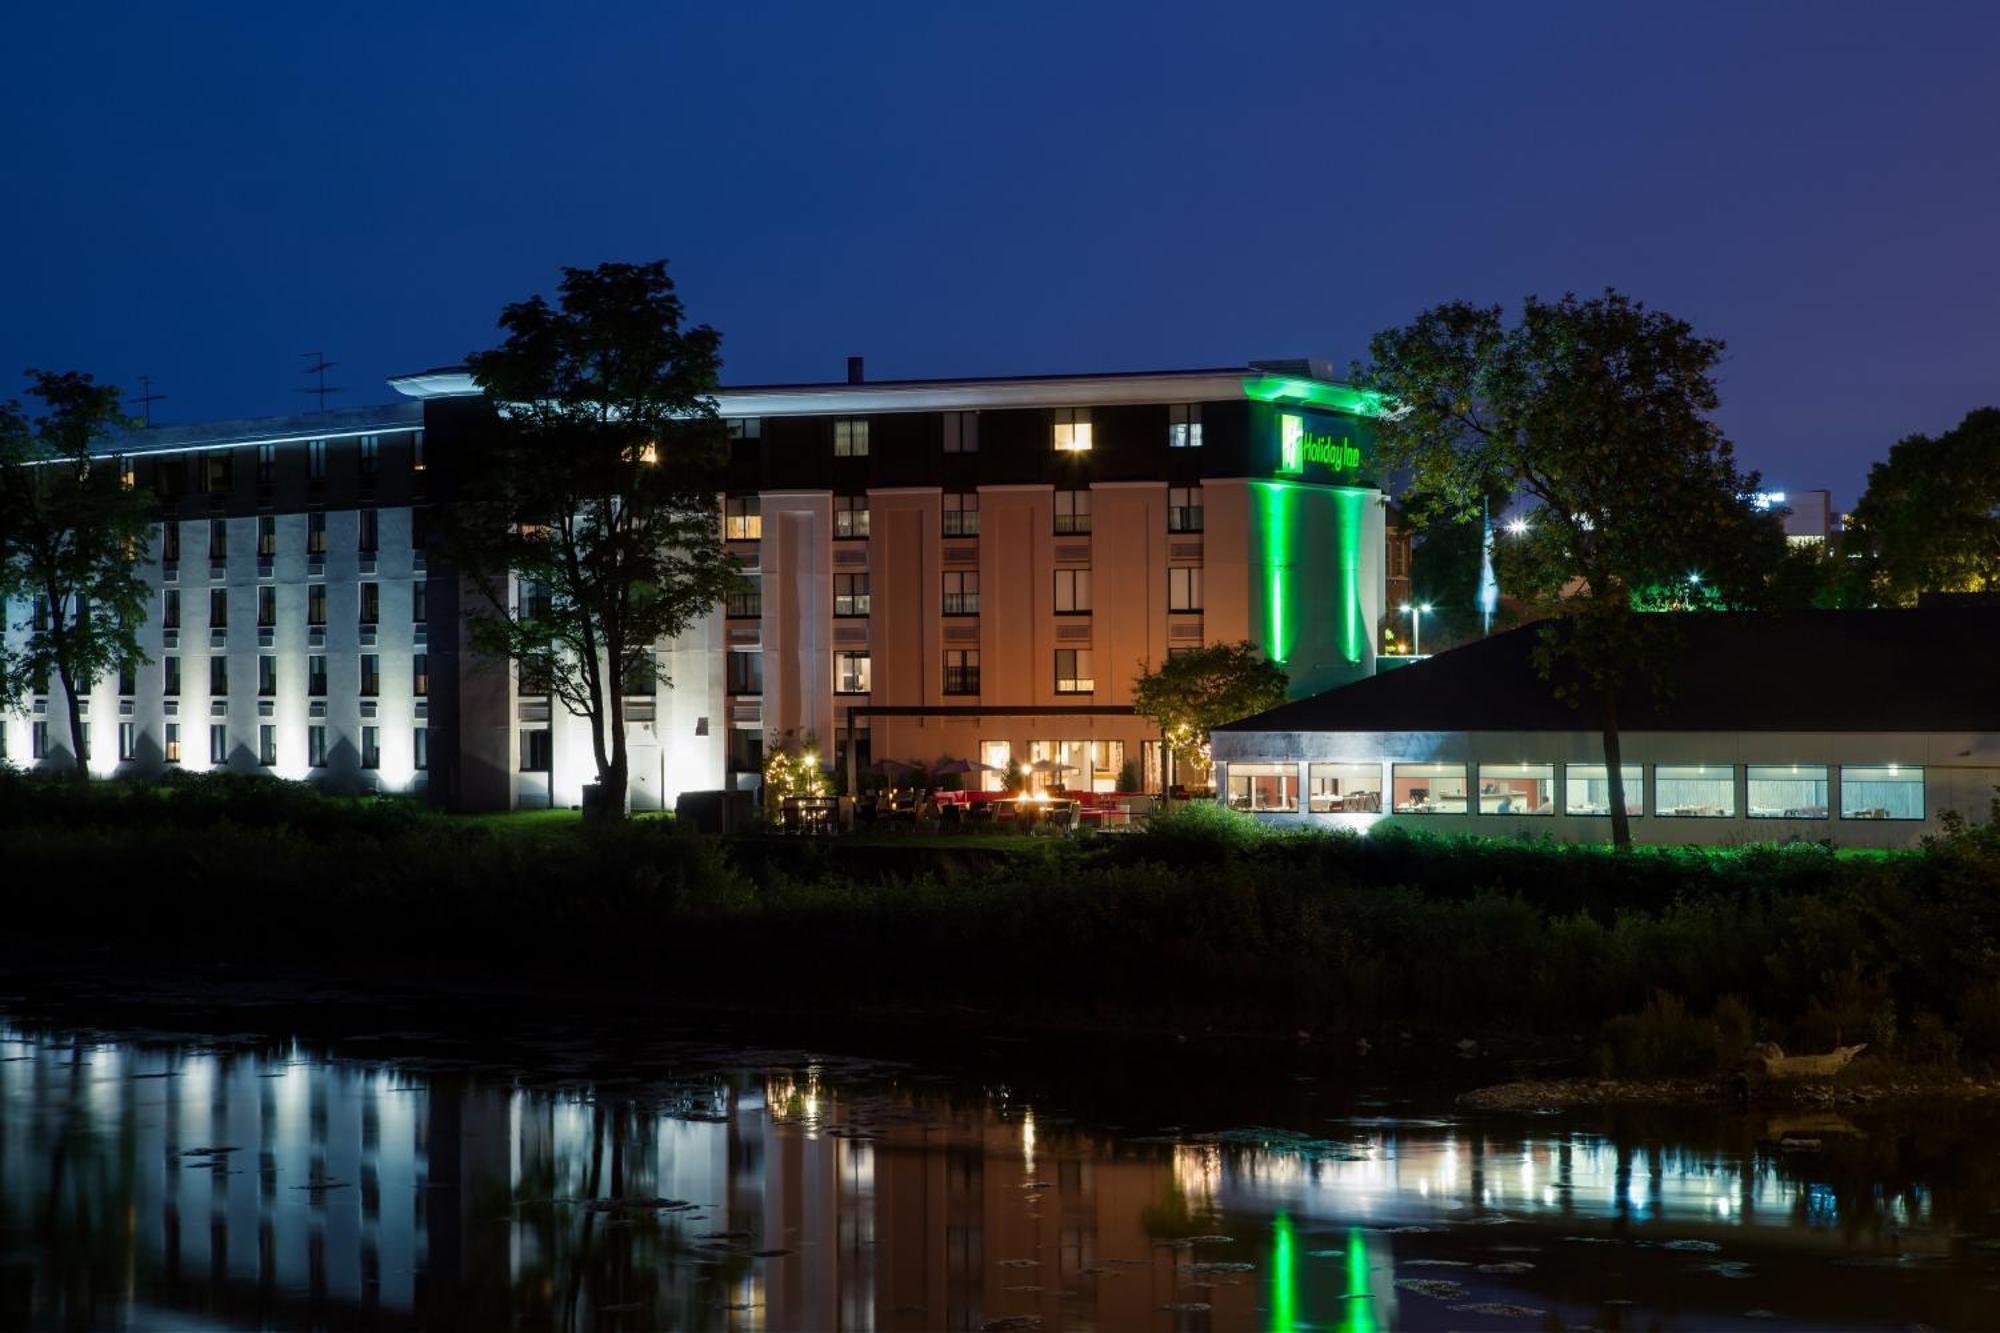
pixel 1517 527
pixel 1416 614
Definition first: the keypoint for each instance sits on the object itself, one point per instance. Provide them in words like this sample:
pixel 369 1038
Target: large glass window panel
pixel 1785 791
pixel 1695 791
pixel 1263 788
pixel 1429 789
pixel 996 756
pixel 1587 790
pixel 1517 789
pixel 1344 789
pixel 1881 791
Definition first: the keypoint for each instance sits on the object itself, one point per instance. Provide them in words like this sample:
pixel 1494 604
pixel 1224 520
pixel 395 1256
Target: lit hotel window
pixel 1586 791
pixel 1881 791
pixel 1184 588
pixel 850 437
pixel 741 521
pixel 850 594
pixel 1073 674
pixel 1344 789
pixel 316 532
pixel 1517 789
pixel 850 516
pixel 1184 426
pixel 1264 787
pixel 172 751
pixel 1072 430
pixel 267 536
pixel 1700 791
pixel 1428 789
pixel 1784 791
pixel 850 673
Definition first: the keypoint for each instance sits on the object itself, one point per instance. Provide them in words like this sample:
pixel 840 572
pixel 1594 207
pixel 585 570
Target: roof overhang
pixel 971 395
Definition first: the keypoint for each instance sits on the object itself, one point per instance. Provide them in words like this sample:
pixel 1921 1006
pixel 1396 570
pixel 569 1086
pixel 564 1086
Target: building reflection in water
pixel 186 1184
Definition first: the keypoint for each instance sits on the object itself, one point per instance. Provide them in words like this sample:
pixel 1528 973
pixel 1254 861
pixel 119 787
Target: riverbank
pixel 1197 927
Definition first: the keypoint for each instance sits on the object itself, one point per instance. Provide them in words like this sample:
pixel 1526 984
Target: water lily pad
pixel 1501 1308
pixel 1511 1266
pixel 1430 1286
pixel 1692 1246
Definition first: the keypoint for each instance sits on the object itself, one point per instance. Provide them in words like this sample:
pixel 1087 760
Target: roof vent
pixel 854 375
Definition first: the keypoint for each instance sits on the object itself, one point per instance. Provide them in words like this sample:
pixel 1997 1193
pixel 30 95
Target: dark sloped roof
pixel 1928 669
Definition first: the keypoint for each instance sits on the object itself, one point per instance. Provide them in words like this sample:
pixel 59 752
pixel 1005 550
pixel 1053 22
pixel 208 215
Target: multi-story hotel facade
pixel 968 569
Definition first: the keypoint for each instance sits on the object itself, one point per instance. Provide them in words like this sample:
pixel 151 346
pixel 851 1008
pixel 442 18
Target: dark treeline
pixel 1200 921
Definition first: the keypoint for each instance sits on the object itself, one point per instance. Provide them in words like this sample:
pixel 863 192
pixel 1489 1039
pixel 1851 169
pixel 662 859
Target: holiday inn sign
pixel 1299 444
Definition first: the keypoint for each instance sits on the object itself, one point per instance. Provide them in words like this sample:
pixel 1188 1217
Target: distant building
pixel 1808 515
pixel 1858 727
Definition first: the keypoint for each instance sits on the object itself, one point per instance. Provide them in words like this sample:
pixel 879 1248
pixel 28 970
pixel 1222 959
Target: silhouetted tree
pixel 72 540
pixel 1597 412
pixel 599 491
pixel 1930 518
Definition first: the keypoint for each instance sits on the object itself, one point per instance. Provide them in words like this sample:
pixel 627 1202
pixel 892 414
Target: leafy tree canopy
pixel 598 488
pixel 1193 692
pixel 1596 413
pixel 72 537
pixel 1930 518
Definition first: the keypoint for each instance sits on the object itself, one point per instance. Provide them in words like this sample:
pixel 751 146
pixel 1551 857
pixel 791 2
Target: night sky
pixel 201 193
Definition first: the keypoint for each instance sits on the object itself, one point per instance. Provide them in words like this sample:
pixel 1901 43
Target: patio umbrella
pixel 1051 766
pixel 944 766
pixel 890 768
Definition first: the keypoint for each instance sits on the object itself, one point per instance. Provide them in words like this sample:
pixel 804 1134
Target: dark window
pixel 170 676
pixel 1184 509
pixel 535 751
pixel 1072 512
pixel 371 457
pixel 218 676
pixel 216 471
pixel 267 536
pixel 316 459
pixel 641 676
pixel 419 602
pixel 218 539
pixel 267 606
pixel 371 675
pixel 316 604
pixel 368 531
pixel 316 746
pixel 316 532
pixel 218 744
pixel 961 432
pixel 267 463
pixel 748 599
pixel 316 676
pixel 1184 588
pixel 267 676
pixel 371 603
pixel 1072 592
pixel 218 608
pixel 746 671
pixel 267 745
pixel 420 738
pixel 170 542
pixel 961 513
pixel 371 747
pixel 170 609
pixel 961 671
pixel 961 593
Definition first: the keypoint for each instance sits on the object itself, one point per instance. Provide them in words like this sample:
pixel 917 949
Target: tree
pixel 1930 518
pixel 1193 692
pixel 1597 413
pixel 71 537
pixel 598 492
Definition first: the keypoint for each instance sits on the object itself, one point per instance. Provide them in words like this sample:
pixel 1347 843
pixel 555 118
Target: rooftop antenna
pixel 145 398
pixel 320 365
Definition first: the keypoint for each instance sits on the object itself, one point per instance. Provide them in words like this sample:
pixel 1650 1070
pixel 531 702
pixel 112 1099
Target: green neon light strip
pixel 1360 1300
pixel 1274 511
pixel 1284 1277
pixel 1315 393
pixel 1348 505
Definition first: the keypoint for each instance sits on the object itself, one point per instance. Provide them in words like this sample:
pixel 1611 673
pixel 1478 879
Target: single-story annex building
pixel 1859 727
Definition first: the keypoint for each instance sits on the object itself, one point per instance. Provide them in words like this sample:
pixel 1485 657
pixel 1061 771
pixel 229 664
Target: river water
pixel 196 1182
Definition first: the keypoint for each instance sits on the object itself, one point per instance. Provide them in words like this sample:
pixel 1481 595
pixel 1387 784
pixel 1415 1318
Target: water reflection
pixel 232 1185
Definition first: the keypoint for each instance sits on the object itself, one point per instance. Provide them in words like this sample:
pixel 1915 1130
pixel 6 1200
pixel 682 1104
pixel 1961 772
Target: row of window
pixel 1070 431
pixel 370 674
pixel 853 671
pixel 369 600
pixel 1692 791
pixel 367 538
pixel 743 520
pixel 370 755
pixel 1072 596
pixel 215 469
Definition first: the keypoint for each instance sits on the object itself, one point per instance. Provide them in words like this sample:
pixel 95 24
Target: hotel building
pixel 972 569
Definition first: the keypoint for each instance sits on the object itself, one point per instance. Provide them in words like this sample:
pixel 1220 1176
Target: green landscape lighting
pixel 1315 393
pixel 1284 1277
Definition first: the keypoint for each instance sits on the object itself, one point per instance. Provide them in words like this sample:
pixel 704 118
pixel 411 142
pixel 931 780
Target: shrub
pixel 1662 1040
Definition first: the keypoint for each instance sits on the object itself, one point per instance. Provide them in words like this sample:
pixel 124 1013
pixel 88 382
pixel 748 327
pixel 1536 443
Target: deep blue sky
pixel 203 192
